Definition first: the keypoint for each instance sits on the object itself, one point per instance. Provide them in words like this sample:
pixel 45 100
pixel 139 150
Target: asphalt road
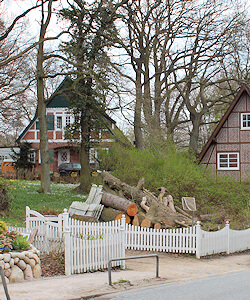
pixel 235 286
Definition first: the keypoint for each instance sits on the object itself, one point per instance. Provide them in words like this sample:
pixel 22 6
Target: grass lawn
pixel 25 193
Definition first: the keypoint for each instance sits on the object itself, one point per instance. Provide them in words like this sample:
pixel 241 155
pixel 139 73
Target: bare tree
pixel 153 30
pixel 206 47
pixel 16 79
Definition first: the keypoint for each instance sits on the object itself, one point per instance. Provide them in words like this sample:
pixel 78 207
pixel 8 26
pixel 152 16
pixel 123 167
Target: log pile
pixel 140 206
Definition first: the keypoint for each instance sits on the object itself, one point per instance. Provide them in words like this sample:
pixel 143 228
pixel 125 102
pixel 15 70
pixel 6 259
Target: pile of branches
pixel 140 206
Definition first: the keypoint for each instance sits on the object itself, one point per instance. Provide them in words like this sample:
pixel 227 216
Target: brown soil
pixel 52 264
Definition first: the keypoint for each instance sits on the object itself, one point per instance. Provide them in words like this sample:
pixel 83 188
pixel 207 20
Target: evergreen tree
pixel 92 33
pixel 23 158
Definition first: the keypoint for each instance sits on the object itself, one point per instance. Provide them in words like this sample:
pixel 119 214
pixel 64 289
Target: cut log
pixel 136 221
pixel 157 226
pixel 113 201
pixel 132 210
pixel 146 223
pixel 128 219
pixel 109 214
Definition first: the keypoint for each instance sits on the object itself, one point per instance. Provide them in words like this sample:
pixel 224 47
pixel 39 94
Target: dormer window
pixel 245 121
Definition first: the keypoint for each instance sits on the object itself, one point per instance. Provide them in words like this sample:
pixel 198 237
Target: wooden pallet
pixel 91 209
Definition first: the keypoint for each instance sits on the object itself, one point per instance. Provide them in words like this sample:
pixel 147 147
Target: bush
pixel 11 240
pixel 3 227
pixel 5 198
pixel 20 243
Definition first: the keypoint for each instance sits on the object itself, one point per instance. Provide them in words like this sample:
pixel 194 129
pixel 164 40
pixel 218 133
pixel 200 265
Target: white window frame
pixel 241 121
pixel 67 120
pixel 228 168
pixel 59 123
pixel 93 155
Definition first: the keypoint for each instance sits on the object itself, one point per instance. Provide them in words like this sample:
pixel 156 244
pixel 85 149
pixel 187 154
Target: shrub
pixel 5 198
pixel 11 240
pixel 3 227
pixel 20 243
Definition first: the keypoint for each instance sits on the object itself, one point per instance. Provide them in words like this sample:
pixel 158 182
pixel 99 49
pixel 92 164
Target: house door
pixel 63 156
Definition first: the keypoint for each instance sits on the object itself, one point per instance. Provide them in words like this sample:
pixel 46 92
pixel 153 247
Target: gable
pixel 241 103
pixel 227 151
pixel 58 100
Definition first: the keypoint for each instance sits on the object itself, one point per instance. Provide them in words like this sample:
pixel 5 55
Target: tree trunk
pixel 85 174
pixel 118 203
pixel 138 111
pixel 41 106
pixel 194 135
pixel 109 214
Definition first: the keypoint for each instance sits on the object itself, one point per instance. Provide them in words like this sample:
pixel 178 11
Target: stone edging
pixel 20 266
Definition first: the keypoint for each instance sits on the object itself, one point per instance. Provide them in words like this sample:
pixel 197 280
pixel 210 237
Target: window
pixel 67 120
pixel 64 156
pixel 245 121
pixel 32 157
pixel 59 122
pixel 50 122
pixel 228 161
pixel 92 155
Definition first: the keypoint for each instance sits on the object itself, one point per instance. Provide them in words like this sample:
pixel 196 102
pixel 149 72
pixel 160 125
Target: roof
pixel 244 89
pixel 57 99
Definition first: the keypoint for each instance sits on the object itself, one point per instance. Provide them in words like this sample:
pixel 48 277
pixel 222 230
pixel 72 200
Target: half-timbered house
pixel 227 151
pixel 58 117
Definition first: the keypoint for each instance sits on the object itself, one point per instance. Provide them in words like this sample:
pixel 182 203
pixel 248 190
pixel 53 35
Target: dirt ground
pixel 177 266
pixel 138 273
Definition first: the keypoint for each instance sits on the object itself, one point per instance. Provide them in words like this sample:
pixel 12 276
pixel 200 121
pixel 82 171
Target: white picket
pixel 98 242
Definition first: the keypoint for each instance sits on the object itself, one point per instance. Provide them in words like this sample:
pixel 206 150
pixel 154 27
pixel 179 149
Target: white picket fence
pixel 89 246
pixel 181 240
pixel 225 240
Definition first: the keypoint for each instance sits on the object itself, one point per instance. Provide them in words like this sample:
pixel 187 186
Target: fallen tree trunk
pixel 116 202
pixel 109 214
pixel 216 218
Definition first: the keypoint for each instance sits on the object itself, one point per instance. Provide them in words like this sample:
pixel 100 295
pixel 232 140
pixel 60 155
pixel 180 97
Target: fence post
pixel 60 229
pixel 198 240
pixel 27 217
pixel 66 234
pixel 228 243
pixel 123 238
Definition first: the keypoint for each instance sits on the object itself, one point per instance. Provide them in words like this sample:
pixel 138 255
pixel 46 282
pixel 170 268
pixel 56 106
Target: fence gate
pixel 49 234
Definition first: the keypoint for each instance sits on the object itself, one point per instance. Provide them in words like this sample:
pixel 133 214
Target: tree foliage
pixel 23 157
pixel 93 32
